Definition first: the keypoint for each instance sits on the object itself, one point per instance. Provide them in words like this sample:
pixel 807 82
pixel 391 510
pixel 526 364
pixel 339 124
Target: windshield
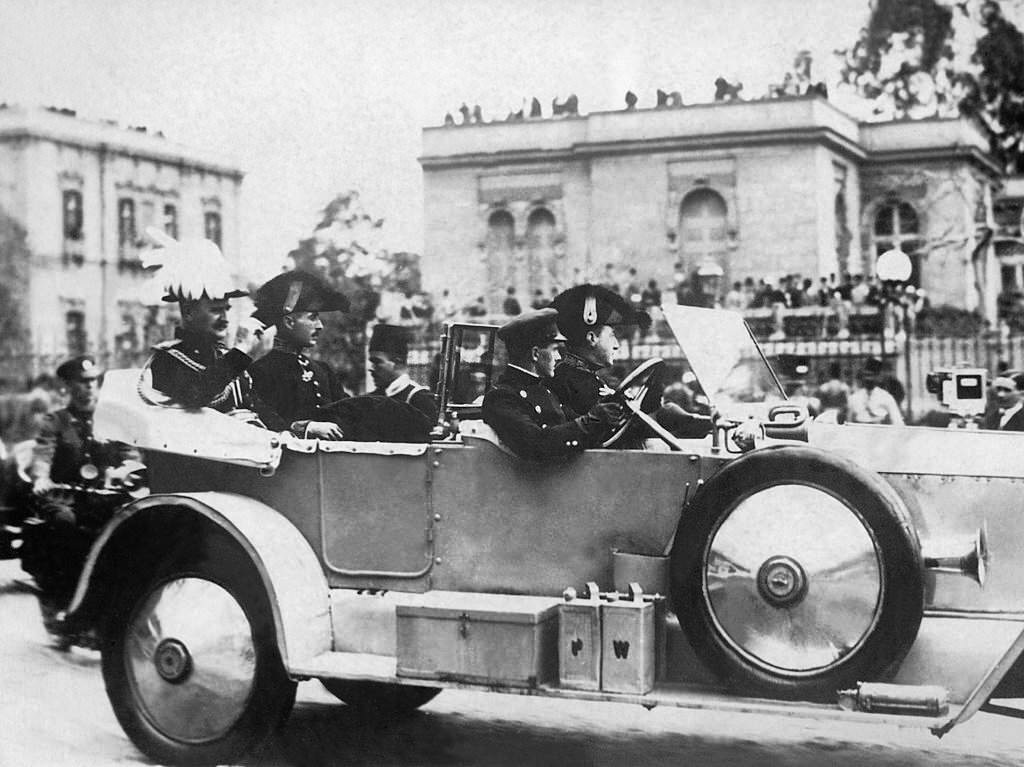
pixel 723 356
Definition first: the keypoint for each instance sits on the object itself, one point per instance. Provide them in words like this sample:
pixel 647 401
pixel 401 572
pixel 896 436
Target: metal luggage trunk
pixel 492 638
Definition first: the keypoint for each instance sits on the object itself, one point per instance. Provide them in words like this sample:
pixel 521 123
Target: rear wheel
pixel 796 573
pixel 380 698
pixel 191 664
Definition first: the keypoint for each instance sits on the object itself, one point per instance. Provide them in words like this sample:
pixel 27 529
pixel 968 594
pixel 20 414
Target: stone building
pixel 84 193
pixel 762 188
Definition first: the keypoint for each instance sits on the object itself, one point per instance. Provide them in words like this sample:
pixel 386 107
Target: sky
pixel 314 97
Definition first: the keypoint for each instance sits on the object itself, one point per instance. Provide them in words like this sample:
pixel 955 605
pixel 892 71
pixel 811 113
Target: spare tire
pixel 796 573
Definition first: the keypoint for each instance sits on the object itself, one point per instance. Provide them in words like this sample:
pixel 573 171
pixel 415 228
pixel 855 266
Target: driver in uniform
pixel 525 414
pixel 588 316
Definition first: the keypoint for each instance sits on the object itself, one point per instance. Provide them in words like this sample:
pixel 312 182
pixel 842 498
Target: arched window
pixel 542 264
pixel 897 226
pixel 702 229
pixel 500 249
pixel 72 214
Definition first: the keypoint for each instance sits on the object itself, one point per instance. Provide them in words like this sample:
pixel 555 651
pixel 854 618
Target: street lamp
pixel 893 267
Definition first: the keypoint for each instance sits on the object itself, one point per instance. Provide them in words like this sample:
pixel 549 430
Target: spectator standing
pixel 833 396
pixel 870 403
pixel 1008 413
pixel 538 302
pixel 734 299
pixel 478 308
pixel 449 309
pixel 860 290
pixel 651 297
pixel 511 305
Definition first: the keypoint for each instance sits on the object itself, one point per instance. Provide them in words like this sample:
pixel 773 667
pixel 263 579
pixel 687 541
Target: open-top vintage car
pixel 830 571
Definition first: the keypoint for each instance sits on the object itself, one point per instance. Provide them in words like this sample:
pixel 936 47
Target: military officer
pixel 388 355
pixel 524 412
pixel 299 389
pixel 197 368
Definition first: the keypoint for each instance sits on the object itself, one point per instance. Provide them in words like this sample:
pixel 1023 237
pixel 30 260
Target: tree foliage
pixel 345 248
pixel 927 58
pixel 15 258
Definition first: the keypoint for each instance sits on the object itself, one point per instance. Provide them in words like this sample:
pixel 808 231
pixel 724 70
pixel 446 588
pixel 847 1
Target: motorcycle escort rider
pixel 78 482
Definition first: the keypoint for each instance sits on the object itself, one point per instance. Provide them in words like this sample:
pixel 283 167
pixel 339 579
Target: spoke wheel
pixel 380 698
pixel 193 672
pixel 794 574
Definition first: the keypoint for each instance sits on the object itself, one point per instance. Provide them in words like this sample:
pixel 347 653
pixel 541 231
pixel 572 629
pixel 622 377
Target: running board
pixel 382 668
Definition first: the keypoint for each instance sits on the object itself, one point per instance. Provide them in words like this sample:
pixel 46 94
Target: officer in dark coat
pixel 299 389
pixel 388 356
pixel 588 316
pixel 197 369
pixel 524 412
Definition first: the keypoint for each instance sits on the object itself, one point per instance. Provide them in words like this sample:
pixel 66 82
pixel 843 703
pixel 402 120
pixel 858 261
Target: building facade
pixel 84 193
pixel 761 188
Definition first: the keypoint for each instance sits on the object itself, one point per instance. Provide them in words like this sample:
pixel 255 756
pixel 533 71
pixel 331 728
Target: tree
pixel 15 258
pixel 346 250
pixel 926 58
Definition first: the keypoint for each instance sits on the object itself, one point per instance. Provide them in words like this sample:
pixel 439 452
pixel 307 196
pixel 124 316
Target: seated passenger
pixel 389 353
pixel 197 369
pixel 301 390
pixel 527 417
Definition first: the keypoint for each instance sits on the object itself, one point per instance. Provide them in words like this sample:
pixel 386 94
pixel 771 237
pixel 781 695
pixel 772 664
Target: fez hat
pixel 538 327
pixel 191 269
pixel 393 340
pixel 588 307
pixel 82 368
pixel 295 291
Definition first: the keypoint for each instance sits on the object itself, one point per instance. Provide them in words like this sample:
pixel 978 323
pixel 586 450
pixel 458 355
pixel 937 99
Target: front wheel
pixel 796 573
pixel 191 664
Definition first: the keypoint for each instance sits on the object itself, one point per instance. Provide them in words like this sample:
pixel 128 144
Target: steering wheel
pixel 632 392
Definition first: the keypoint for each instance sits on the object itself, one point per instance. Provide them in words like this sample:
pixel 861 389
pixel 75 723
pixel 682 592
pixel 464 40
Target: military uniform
pixel 197 372
pixel 65 446
pixel 298 388
pixel 577 384
pixel 404 389
pixel 531 421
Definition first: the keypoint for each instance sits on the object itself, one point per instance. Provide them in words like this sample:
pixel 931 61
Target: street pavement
pixel 54 713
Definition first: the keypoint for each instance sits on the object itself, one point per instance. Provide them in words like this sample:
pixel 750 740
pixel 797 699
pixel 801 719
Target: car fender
pixel 287 565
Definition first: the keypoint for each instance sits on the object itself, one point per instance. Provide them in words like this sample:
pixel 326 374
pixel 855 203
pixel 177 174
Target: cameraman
pixel 1008 398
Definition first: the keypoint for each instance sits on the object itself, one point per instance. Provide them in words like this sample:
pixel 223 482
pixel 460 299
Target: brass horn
pixel 963 556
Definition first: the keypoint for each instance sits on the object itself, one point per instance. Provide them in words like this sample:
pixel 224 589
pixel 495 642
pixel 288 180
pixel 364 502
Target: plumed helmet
pixel 190 269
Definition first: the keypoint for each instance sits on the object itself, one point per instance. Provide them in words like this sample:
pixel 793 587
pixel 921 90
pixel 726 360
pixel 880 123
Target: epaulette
pixel 165 345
